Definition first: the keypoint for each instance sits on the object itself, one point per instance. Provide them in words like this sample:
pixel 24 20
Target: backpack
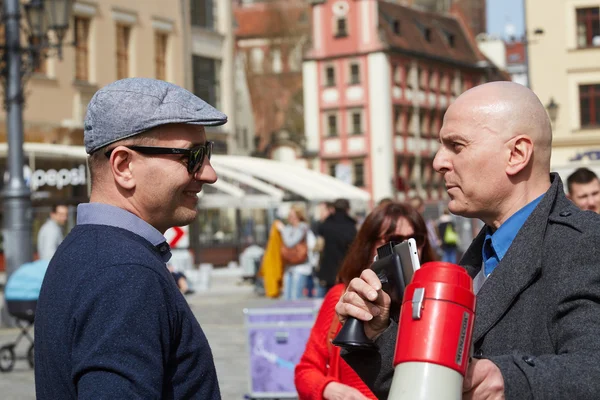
pixel 450 235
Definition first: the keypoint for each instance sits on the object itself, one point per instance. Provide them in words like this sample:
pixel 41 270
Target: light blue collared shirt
pixel 105 214
pixel 504 236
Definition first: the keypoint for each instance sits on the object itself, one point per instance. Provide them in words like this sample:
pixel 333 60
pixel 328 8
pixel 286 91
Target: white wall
pixel 494 49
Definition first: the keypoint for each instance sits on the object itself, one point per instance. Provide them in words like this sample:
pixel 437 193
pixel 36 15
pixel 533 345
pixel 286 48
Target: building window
pixel 332 129
pixel 256 60
pixel 589 105
pixel 206 73
pixel 433 80
pixel 41 67
pixel 422 74
pixel 160 54
pixel 332 168
pixel 329 76
pixel 398 122
pixel 341 27
pixel 203 13
pixel 82 31
pixel 359 174
pixel 295 59
pixel 276 59
pixel 354 74
pixel 588 27
pixel 123 36
pixel 356 123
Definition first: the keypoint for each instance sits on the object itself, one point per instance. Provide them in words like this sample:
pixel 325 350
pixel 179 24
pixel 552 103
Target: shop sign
pixel 592 155
pixel 55 178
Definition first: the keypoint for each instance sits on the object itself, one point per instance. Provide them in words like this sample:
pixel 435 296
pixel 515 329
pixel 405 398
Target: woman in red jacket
pixel 321 372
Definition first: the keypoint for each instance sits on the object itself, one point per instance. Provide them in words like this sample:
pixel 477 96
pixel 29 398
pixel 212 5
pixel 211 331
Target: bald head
pixel 494 154
pixel 511 110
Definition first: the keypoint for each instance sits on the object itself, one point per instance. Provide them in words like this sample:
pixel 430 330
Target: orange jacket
pixel 271 268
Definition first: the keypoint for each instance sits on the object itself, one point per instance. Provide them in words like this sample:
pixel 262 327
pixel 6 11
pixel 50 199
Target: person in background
pixel 337 232
pixel 50 234
pixel 385 200
pixel 418 204
pixel 534 264
pixel 321 373
pixel 180 279
pixel 295 277
pixel 110 322
pixel 584 189
pixel 324 209
pixel 448 237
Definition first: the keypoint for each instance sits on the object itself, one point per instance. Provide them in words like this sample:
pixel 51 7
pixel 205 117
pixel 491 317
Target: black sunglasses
pixel 195 155
pixel 420 239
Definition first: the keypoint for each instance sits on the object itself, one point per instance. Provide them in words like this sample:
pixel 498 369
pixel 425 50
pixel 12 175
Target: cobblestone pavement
pixel 220 312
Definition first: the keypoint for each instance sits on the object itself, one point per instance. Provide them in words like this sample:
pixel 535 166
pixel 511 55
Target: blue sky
pixel 503 12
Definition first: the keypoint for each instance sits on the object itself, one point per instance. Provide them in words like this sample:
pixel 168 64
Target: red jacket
pixel 320 363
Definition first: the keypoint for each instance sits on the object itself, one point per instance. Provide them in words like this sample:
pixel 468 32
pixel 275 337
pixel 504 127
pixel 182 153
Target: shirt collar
pixel 506 233
pixel 105 214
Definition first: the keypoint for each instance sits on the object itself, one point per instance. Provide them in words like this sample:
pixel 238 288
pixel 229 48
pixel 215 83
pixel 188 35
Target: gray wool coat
pixel 538 314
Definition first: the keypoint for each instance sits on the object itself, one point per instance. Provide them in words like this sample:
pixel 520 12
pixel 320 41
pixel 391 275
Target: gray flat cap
pixel 131 106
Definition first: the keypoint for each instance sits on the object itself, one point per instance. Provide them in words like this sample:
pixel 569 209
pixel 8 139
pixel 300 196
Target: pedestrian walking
pixel 50 234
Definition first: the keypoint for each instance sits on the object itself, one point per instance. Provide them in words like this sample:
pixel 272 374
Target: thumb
pixel 468 379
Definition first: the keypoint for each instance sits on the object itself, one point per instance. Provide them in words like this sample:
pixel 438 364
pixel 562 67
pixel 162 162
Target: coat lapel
pixel 518 269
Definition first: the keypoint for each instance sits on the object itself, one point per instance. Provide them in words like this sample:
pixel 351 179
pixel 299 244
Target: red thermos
pixel 434 334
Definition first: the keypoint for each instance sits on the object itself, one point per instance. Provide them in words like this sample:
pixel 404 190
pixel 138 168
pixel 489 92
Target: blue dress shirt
pixel 496 244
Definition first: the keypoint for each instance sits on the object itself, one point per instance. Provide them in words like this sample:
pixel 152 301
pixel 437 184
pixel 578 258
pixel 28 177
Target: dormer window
pixel 450 38
pixel 341 28
pixel 425 31
pixel 396 27
pixel 427 34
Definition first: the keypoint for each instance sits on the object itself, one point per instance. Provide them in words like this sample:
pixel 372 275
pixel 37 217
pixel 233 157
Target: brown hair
pixel 360 253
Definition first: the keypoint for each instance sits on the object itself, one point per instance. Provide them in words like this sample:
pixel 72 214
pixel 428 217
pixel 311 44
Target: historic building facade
pixel 378 79
pixel 564 68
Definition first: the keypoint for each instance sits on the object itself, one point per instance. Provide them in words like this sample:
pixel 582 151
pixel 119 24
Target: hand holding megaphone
pixel 483 381
pixel 366 301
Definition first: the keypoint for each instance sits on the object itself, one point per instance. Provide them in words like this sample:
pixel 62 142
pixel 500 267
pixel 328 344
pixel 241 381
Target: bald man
pixel 534 265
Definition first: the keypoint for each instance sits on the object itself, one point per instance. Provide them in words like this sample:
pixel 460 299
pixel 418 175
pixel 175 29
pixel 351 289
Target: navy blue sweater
pixel 111 323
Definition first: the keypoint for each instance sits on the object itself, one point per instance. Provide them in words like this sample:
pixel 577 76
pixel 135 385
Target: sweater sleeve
pixel 121 335
pixel 310 375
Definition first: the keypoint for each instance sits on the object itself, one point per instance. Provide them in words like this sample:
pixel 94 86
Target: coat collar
pixel 519 267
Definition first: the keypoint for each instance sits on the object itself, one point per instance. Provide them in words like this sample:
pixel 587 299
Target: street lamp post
pixel 552 108
pixel 17 61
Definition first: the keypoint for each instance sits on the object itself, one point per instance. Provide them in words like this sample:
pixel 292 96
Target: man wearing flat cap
pixel 111 322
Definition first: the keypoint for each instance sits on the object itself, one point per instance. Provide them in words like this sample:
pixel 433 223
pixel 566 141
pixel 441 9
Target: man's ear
pixel 121 165
pixel 521 152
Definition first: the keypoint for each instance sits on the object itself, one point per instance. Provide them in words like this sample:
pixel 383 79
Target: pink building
pixel 377 81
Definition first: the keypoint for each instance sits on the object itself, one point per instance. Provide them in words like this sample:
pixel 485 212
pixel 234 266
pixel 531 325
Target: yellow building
pixel 564 67
pixel 186 42
pixel 107 40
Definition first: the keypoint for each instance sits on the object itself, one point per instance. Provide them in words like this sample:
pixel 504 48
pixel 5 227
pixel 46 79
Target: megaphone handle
pixel 352 335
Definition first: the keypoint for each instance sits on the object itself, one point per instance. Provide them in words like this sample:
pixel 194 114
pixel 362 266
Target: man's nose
pixel 440 162
pixel 206 173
